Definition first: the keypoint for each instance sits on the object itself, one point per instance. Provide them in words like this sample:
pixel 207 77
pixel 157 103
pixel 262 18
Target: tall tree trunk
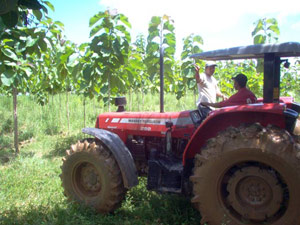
pixel 129 98
pixel 84 113
pixel 60 109
pixel 143 98
pixel 68 112
pixel 138 101
pixel 95 106
pixel 109 93
pixel 15 103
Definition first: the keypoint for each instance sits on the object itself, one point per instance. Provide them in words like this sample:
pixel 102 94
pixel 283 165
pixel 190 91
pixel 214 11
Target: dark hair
pixel 241 79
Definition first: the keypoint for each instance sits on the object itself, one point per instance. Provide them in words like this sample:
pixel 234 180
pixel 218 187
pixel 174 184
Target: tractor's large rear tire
pixel 91 175
pixel 248 175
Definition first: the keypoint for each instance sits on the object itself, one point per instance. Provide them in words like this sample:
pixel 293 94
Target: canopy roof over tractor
pixel 287 49
pixel 270 53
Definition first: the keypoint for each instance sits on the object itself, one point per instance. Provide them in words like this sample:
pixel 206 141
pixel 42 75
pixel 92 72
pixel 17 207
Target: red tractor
pixel 239 164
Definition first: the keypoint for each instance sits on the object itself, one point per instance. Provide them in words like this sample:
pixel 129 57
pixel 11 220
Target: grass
pixel 30 187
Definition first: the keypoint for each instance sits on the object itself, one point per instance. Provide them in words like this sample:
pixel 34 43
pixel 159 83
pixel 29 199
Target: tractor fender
pixel 223 119
pixel 120 152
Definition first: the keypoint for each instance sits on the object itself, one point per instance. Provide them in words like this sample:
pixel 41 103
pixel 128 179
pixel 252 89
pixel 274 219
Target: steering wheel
pixel 204 111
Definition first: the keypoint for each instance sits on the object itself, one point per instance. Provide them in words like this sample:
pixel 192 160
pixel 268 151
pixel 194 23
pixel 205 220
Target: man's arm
pixel 197 76
pixel 219 94
pixel 215 105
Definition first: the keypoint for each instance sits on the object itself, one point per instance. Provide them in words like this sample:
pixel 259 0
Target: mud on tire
pixel 248 175
pixel 91 175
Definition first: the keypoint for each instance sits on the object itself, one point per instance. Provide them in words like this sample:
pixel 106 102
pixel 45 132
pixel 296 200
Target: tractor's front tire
pixel 248 175
pixel 91 175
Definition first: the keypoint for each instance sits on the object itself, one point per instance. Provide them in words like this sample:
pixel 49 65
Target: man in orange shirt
pixel 243 96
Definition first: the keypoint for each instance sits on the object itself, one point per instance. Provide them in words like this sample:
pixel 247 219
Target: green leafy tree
pixel 191 45
pixel 266 31
pixel 21 44
pixel 13 12
pixel 161 36
pixel 110 43
pixel 135 71
pixel 291 81
pixel 226 70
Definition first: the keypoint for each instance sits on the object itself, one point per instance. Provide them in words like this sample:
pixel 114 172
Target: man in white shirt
pixel 207 85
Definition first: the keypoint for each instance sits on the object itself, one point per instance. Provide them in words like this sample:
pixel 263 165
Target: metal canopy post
pixel 161 62
pixel 271 78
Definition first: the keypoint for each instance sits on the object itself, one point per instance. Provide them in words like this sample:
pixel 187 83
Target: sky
pixel 221 23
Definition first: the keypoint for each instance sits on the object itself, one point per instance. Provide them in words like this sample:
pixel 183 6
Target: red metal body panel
pixel 218 120
pixel 153 124
pixel 146 124
pixel 287 100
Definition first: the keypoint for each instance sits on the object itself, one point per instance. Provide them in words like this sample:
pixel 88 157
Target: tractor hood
pixel 147 123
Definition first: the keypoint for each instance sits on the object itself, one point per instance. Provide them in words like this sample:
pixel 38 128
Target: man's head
pixel 240 80
pixel 210 68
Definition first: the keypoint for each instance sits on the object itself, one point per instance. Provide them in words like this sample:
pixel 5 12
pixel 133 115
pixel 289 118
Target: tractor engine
pixel 156 142
pixel 153 159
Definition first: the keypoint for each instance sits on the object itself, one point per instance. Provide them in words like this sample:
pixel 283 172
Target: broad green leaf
pixel 96 18
pixel 198 39
pixel 83 46
pixel 169 51
pixel 275 29
pixel 124 19
pixel 7 5
pixel 155 20
pixel 9 63
pixel 60 24
pixel 30 4
pixel 31 42
pixel 94 45
pixel 76 70
pixel 87 73
pixel 9 53
pixel 152 35
pixel 49 5
pixel 120 28
pixel 10 19
pixel 152 29
pixel 97 89
pixel 196 49
pixel 7 41
pixel 44 9
pixel 104 89
pixel 258 28
pixel 127 36
pixel 168 26
pixel 184 55
pixel 116 47
pixel 95 30
pixel 2 26
pixel 170 40
pixel 43 45
pixel 260 39
pixel 38 14
pixel 7 77
pixel 271 21
pixel 189 73
pixel 55 31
